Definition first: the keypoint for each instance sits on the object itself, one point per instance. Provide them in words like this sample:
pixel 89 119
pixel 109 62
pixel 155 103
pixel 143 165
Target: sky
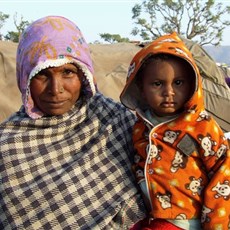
pixel 93 17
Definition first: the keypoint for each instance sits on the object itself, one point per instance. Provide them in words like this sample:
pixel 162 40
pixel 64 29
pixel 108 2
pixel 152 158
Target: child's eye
pixel 178 82
pixel 157 83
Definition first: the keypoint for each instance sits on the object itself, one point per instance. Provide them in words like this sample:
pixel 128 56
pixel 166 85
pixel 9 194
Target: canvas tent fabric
pixel 10 97
pixel 216 91
pixel 111 63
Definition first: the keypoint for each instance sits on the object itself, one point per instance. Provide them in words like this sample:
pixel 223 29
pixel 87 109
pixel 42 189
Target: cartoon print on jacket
pixel 221 151
pixel 164 199
pixel 192 110
pixel 137 158
pixel 131 69
pixel 205 212
pixel 170 136
pixel 203 116
pixel 181 216
pixel 139 174
pixel 195 185
pixel 193 176
pixel 153 152
pixel 179 161
pixel 207 143
pixel 222 190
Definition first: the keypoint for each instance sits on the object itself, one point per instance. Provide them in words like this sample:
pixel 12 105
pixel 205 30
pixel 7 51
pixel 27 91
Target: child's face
pixel 167 85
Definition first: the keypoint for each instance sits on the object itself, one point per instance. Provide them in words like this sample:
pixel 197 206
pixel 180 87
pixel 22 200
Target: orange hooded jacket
pixel 185 161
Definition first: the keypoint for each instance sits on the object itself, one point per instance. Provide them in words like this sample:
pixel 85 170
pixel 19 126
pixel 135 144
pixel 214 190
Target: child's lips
pixel 168 104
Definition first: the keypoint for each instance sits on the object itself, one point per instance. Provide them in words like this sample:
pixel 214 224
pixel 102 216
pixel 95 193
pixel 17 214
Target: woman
pixel 65 156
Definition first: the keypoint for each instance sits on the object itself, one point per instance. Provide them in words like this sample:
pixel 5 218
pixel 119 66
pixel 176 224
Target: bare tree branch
pixel 204 21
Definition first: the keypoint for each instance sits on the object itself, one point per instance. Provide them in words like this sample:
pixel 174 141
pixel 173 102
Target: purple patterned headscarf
pixel 51 41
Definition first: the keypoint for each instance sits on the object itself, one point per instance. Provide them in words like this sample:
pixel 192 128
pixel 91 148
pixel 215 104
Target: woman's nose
pixel 55 86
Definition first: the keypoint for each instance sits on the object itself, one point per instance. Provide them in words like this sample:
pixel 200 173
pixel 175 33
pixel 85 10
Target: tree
pixel 112 38
pixel 3 18
pixel 200 21
pixel 14 36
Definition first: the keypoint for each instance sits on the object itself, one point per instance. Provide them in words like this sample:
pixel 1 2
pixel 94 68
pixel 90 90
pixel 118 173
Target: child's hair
pixel 159 58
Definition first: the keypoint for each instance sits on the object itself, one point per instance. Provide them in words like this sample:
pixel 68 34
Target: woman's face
pixel 56 89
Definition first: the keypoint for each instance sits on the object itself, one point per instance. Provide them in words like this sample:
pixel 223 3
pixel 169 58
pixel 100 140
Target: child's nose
pixel 168 90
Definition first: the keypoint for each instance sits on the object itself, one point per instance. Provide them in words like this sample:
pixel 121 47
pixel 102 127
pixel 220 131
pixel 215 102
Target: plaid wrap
pixel 69 172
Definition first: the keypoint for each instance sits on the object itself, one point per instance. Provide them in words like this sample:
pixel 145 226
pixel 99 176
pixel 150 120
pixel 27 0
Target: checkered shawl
pixel 69 172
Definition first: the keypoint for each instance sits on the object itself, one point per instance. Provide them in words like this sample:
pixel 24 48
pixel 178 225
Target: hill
pixel 220 54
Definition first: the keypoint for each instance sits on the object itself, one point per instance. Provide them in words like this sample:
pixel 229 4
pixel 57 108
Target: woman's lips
pixel 56 103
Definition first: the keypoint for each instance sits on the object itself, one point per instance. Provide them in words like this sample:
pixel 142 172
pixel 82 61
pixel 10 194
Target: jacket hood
pixel 51 41
pixel 167 44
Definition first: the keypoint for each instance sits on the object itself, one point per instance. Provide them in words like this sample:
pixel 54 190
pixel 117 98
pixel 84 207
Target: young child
pixel 182 157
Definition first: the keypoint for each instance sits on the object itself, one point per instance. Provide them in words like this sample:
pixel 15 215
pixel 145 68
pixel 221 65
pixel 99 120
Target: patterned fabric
pixel 50 42
pixel 185 161
pixel 69 172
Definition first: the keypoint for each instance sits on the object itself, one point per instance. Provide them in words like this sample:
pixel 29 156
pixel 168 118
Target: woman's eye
pixel 43 74
pixel 69 73
pixel 40 76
